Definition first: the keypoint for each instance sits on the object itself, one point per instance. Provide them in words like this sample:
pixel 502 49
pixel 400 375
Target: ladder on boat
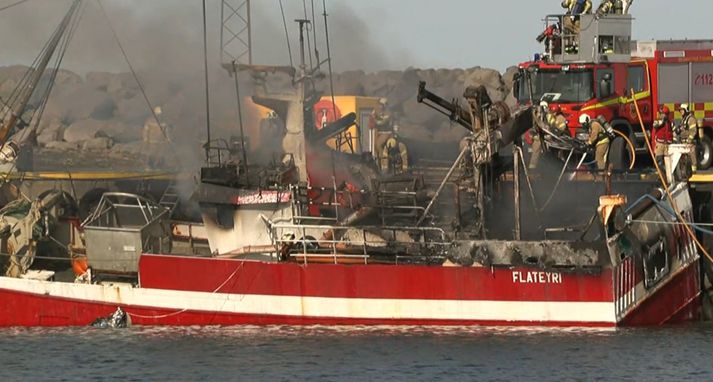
pixel 170 199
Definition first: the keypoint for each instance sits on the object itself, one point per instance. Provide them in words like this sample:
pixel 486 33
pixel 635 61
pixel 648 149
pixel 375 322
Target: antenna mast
pixel 236 32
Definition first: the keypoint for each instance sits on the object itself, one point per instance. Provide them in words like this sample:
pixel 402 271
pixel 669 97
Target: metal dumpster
pixel 121 228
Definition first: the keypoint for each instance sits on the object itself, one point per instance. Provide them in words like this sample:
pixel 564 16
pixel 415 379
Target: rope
pixel 559 181
pixel 329 57
pixel 695 226
pixel 309 39
pixel 287 34
pixel 158 316
pixel 207 84
pixel 13 4
pixel 314 36
pixel 665 185
pixel 133 72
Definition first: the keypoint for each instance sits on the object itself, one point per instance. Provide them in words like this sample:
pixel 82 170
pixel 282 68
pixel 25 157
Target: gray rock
pixel 84 130
pixel 127 149
pixel 49 136
pixel 97 144
pixel 62 146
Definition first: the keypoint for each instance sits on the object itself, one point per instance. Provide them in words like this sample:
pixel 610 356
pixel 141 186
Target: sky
pixel 370 35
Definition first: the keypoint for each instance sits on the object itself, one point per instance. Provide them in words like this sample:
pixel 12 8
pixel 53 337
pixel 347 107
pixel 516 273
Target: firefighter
pixel 577 7
pixel 598 139
pixel 394 156
pixel 662 134
pixel 553 117
pixel 610 7
pixel 380 119
pixel 571 24
pixel 688 132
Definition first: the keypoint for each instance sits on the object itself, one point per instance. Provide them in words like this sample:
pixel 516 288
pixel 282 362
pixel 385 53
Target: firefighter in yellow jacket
pixel 572 24
pixel 394 156
pixel 577 7
pixel 688 132
pixel 553 118
pixel 598 139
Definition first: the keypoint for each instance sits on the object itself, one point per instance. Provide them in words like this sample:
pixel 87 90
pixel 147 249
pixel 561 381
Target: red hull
pixel 230 292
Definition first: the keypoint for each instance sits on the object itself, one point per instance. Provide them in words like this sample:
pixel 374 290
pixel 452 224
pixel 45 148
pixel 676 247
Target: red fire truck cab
pixel 659 72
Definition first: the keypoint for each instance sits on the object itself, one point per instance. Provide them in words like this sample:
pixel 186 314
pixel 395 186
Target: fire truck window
pixel 701 82
pixel 569 87
pixel 601 76
pixel 622 45
pixel 637 79
pixel 673 83
pixel 606 44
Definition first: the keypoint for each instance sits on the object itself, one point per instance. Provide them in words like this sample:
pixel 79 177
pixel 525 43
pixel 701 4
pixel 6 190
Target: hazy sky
pixel 367 34
pixel 499 33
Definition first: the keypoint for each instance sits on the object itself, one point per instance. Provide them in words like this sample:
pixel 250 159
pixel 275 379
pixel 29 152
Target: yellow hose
pixel 632 149
pixel 665 187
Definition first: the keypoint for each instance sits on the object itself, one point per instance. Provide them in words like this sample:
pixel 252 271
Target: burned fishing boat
pixel 328 237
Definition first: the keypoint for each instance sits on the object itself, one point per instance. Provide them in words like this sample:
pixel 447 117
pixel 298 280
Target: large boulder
pixel 53 132
pixel 62 146
pixel 121 132
pixel 84 130
pixel 97 144
pixel 349 83
pixel 134 149
pixel 74 103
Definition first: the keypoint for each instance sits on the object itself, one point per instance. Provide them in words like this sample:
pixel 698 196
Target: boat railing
pixel 625 283
pixel 342 244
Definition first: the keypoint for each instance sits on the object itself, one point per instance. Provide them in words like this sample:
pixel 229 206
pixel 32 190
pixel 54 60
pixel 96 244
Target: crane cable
pixel 13 4
pixel 649 148
pixel 287 33
pixel 133 72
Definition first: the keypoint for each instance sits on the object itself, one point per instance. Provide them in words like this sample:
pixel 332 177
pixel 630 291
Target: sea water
pixel 282 353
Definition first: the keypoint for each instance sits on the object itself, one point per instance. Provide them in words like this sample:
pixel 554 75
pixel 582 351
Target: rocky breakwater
pixel 104 114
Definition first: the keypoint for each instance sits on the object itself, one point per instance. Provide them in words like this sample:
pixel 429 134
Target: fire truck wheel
pixel 619 155
pixel 705 153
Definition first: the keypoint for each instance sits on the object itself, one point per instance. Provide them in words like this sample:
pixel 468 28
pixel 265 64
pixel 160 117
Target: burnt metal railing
pixel 300 241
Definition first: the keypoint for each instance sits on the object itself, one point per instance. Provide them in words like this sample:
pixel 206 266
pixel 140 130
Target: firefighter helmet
pixel 383 101
pixel 584 119
pixel 685 107
pixel 665 110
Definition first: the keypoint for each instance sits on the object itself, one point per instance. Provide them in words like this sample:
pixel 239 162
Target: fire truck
pixel 594 71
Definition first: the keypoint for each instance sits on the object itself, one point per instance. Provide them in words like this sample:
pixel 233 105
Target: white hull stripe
pixel 297 306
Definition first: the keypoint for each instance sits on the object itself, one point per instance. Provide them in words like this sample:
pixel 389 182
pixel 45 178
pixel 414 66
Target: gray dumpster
pixel 121 228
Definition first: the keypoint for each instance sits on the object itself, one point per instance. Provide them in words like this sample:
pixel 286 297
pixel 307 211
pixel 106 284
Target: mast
pixel 18 108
